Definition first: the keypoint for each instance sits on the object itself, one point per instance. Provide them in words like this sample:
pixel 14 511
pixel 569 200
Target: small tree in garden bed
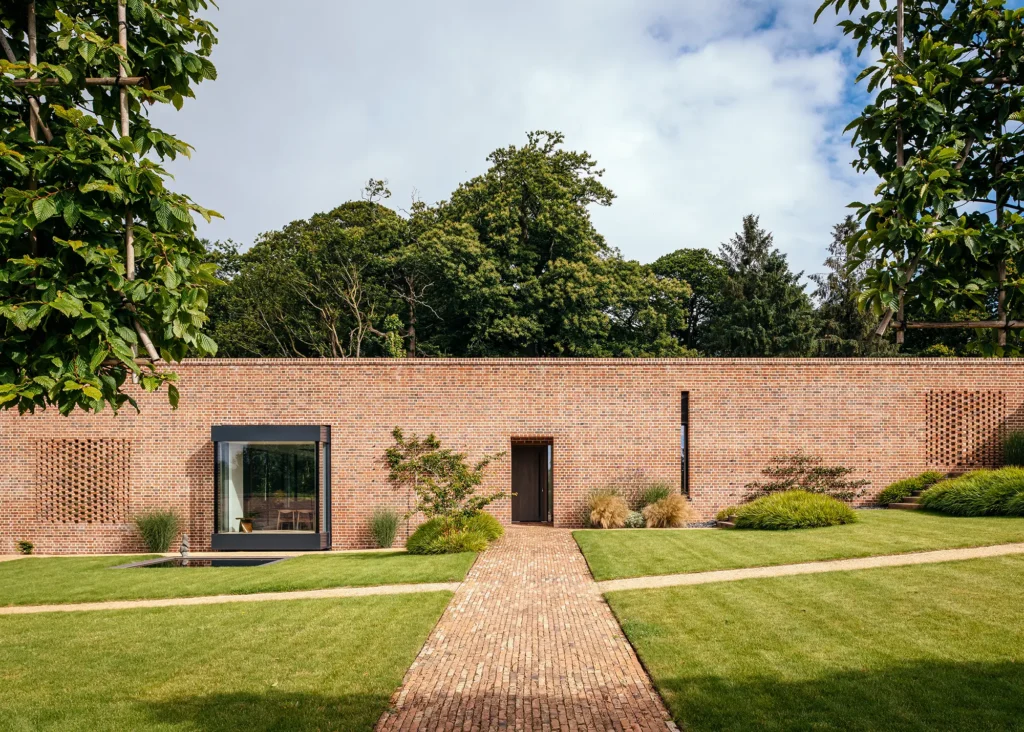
pixel 442 480
pixel 806 473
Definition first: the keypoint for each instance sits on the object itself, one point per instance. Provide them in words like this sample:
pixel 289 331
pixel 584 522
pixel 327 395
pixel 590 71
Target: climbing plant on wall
pixel 101 273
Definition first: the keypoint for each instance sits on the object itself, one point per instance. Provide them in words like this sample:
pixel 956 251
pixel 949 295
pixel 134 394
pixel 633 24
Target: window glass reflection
pixel 266 486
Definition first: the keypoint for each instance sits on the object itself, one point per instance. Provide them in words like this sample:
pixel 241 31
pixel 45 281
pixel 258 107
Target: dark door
pixel 529 482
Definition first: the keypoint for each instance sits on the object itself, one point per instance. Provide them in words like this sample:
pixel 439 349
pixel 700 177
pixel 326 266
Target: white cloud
pixel 700 112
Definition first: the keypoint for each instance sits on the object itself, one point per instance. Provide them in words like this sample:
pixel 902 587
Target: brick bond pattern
pixel 608 421
pixel 527 643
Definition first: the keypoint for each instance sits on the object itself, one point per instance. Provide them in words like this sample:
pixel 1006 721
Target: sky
pixel 699 111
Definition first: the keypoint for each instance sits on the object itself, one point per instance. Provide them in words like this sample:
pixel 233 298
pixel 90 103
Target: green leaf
pixel 88 51
pixel 92 392
pixel 172 395
pixel 68 304
pixel 97 359
pixel 72 214
pixel 43 208
pixel 207 346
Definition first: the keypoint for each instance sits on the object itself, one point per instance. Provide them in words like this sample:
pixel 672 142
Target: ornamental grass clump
pixel 899 490
pixel 1013 449
pixel 447 536
pixel 486 524
pixel 607 510
pixel 1015 506
pixel 669 512
pixel 384 526
pixel 159 529
pixel 793 510
pixel 653 493
pixel 979 493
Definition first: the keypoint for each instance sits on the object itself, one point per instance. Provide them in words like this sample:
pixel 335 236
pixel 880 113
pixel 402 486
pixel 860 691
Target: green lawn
pixel 641 552
pixel 932 647
pixel 45 580
pixel 293 665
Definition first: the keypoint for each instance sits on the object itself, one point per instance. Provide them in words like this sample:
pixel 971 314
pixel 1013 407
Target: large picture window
pixel 271 487
pixel 267 486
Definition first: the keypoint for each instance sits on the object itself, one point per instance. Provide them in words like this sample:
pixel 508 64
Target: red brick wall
pixel 608 420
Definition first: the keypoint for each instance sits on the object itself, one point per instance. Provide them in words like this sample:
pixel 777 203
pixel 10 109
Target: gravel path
pixel 784 570
pixel 222 599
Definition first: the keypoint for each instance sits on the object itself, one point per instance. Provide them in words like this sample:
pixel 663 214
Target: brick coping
pixel 484 362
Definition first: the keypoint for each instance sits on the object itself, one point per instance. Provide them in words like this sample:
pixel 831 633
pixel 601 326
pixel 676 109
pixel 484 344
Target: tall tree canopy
pixel 510 266
pixel 764 311
pixel 844 328
pixel 943 133
pixel 705 273
pixel 70 311
pixel 553 286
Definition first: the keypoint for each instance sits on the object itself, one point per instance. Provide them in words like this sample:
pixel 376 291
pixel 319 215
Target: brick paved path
pixel 527 643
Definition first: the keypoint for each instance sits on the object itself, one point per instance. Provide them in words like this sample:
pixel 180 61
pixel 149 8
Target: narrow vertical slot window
pixel 684 443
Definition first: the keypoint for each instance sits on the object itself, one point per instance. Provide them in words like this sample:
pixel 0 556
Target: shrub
pixel 26 547
pixel 670 512
pixel 159 529
pixel 384 526
pixel 903 488
pixel 794 510
pixel 451 536
pixel 806 473
pixel 1015 506
pixel 487 525
pixel 635 520
pixel 456 542
pixel 608 510
pixel 1013 449
pixel 978 493
pixel 653 493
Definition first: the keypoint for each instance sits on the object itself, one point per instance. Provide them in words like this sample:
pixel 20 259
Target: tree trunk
pixel 410 333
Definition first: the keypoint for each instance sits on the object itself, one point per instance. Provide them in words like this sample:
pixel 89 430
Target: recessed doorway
pixel 531 483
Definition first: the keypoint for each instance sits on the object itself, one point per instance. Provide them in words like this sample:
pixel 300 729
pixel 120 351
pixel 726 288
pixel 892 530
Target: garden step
pixel 907 506
pixel 725 525
pixel 913 498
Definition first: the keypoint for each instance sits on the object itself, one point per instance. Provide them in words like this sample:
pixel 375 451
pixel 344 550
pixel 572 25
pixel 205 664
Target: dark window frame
pixel 320 435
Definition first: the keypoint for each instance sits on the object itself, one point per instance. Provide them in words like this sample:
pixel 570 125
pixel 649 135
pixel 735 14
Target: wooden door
pixel 529 482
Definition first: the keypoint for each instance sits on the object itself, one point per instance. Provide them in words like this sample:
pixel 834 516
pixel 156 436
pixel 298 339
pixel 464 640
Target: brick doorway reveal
pixel 531 480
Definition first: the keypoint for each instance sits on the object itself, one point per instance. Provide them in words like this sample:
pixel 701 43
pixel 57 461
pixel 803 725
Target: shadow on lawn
pixel 921 696
pixel 271 711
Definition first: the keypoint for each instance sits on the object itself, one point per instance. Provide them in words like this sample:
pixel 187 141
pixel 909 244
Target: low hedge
pixel 440 536
pixel 793 510
pixel 979 493
pixel 899 490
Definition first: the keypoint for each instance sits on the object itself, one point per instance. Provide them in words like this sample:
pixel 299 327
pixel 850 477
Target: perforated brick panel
pixel 83 481
pixel 965 428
